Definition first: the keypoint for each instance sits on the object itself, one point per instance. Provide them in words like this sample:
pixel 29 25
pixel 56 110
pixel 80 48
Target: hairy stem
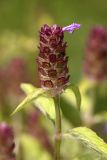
pixel 57 127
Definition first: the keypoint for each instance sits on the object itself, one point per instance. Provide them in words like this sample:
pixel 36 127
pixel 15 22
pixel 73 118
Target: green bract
pixel 43 101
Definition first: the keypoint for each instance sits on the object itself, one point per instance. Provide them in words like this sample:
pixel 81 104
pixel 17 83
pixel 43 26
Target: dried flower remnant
pixel 6 142
pixel 52 59
pixel 95 61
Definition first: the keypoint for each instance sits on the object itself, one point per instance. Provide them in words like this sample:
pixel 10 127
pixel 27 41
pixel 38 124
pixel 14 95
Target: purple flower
pixel 17 73
pixel 71 27
pixel 6 142
pixel 95 61
pixel 52 60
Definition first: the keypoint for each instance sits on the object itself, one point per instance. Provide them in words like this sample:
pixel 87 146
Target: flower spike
pixel 52 59
pixel 95 59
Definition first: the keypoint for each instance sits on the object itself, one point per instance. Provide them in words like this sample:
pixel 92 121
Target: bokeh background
pixel 20 21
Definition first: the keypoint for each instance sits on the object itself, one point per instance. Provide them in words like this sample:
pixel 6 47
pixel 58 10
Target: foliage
pixel 90 140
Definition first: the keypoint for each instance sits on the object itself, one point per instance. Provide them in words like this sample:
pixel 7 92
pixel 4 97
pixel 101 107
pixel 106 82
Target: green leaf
pixel 70 112
pixel 99 92
pixel 76 92
pixel 46 105
pixel 28 88
pixel 43 102
pixel 31 149
pixel 90 139
pixel 32 96
pixel 68 105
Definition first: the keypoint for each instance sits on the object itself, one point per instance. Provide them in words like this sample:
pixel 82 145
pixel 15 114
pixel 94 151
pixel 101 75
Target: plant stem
pixel 57 127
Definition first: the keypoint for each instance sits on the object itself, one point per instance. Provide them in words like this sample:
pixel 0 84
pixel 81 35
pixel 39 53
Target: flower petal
pixel 71 27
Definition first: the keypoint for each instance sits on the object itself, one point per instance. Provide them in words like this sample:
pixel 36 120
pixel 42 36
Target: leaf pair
pixel 40 98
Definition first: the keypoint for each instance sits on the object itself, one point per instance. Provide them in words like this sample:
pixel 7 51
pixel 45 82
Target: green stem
pixel 57 127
